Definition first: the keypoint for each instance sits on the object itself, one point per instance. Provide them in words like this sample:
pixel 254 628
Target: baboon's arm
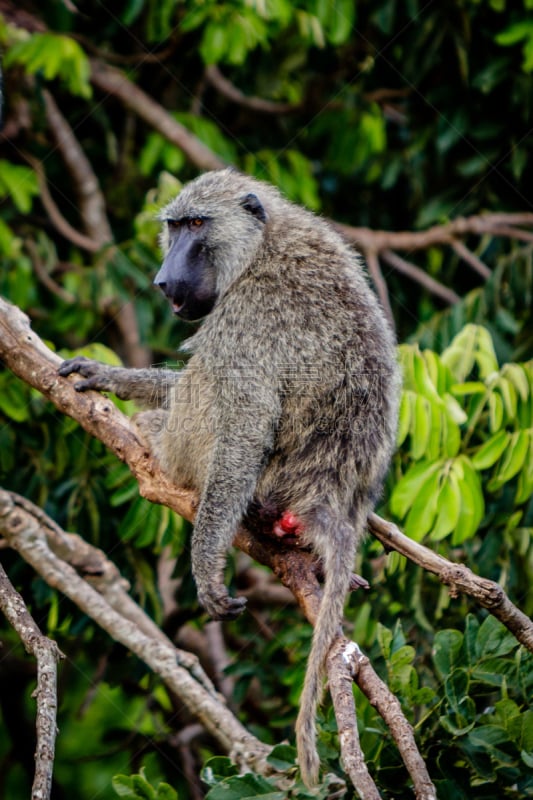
pixel 149 387
pixel 243 442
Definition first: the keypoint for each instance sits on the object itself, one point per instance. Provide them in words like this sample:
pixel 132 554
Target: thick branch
pixel 46 653
pixel 497 224
pixel 26 534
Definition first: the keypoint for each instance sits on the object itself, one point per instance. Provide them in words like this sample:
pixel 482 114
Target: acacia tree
pixel 102 106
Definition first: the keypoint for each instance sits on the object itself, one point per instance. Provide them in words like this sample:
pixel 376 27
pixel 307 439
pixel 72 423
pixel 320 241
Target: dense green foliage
pixel 404 115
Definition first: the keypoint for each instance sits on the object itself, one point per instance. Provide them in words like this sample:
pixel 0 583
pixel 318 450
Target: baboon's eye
pixel 173 224
pixel 197 222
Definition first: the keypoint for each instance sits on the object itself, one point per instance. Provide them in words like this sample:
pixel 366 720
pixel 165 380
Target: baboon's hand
pixel 218 603
pixel 96 374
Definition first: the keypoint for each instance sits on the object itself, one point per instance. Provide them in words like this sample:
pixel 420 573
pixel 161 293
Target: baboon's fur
pixel 289 400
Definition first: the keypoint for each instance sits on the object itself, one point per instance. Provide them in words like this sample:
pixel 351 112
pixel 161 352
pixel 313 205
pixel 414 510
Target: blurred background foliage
pixel 392 116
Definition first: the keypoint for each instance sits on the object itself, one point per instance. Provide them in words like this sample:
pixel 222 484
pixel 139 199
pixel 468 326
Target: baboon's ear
pixel 252 204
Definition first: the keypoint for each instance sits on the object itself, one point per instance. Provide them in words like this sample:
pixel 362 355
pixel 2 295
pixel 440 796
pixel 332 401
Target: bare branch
pixel 44 277
pixel 56 217
pixel 458 577
pixel 115 83
pixel 341 676
pixel 47 654
pixel 91 200
pixel 219 657
pixel 231 92
pixel 390 709
pixel 492 223
pixel 421 277
pixel 92 207
pixel 470 258
pixel 379 282
pixel 513 233
pixel 26 535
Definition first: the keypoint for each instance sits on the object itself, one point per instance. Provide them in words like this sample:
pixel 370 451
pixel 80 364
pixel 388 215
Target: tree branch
pixel 480 224
pixel 458 577
pixel 115 83
pixel 56 217
pixel 47 654
pixel 91 200
pixel 379 282
pixel 106 602
pixel 421 277
pixel 231 92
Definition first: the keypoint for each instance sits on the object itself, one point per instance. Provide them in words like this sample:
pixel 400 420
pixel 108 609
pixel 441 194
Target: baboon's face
pixel 211 233
pixel 187 276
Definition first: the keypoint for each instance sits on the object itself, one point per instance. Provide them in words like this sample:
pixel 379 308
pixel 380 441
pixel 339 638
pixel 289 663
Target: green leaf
pixel 282 757
pixel 19 183
pixel 410 485
pixel 404 419
pixel 513 460
pixel 509 397
pixel 14 398
pixel 448 508
pixel 472 502
pixel 165 792
pixel 54 55
pixel 495 412
pixel 216 768
pixel 420 429
pixel 515 33
pixel 244 787
pixel 456 688
pixel 421 516
pixel 525 479
pixel 494 639
pixel 487 455
pixel 385 641
pixel 446 651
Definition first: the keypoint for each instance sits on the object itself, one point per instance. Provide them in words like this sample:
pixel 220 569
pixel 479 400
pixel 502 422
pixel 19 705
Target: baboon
pixel 286 410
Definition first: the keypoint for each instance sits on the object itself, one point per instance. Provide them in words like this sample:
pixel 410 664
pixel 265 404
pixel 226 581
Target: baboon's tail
pixel 340 539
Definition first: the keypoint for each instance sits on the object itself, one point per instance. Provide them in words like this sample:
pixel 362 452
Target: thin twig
pixel 231 92
pixel 47 654
pixel 45 278
pixel 421 277
pixel 458 577
pixel 513 233
pixel 379 282
pixel 56 217
pixel 470 258
pixel 92 206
